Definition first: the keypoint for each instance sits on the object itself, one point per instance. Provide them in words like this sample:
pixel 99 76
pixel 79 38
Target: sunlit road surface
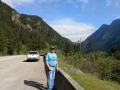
pixel 18 74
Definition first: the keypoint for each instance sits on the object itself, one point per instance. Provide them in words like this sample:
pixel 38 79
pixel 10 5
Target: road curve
pixel 18 74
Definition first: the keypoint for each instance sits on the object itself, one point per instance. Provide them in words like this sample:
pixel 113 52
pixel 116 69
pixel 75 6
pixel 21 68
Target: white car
pixel 33 55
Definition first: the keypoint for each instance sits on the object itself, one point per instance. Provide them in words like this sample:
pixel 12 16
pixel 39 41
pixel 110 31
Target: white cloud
pixel 117 3
pixel 113 2
pixel 83 1
pixel 108 3
pixel 69 1
pixel 14 3
pixel 46 1
pixel 71 29
pixel 118 17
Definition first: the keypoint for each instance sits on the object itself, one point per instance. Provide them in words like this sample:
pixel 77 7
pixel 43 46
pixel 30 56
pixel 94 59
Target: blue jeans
pixel 50 78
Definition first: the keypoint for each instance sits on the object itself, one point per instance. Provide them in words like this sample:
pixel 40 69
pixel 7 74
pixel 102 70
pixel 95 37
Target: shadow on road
pixel 31 61
pixel 35 84
pixel 24 60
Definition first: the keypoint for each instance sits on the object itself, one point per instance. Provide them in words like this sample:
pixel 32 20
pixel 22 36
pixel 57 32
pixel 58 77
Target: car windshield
pixel 32 53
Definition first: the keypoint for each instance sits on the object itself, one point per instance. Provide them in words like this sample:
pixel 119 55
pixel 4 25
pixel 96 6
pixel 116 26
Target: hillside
pixel 47 33
pixel 21 32
pixel 105 37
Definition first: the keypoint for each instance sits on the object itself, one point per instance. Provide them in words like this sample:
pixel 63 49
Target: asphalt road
pixel 18 74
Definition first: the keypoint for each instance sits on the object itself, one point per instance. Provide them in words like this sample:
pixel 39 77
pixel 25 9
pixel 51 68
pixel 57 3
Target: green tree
pixel 2 40
pixel 36 43
pixel 67 48
pixel 10 46
pixel 89 47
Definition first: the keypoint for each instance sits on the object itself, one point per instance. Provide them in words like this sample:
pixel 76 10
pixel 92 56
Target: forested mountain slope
pixel 20 33
pixel 105 37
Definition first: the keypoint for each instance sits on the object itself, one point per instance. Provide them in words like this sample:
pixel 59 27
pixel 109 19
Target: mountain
pixel 74 43
pixel 105 37
pixel 47 32
pixel 21 32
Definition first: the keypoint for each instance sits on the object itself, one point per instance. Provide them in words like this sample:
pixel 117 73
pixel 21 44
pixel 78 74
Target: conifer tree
pixel 2 40
pixel 67 48
pixel 89 47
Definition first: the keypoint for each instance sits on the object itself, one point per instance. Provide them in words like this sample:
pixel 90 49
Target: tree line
pixel 104 65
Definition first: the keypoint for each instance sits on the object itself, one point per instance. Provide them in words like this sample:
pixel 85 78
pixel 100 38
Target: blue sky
pixel 70 18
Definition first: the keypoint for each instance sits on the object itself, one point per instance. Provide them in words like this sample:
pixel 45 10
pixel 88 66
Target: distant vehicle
pixel 33 55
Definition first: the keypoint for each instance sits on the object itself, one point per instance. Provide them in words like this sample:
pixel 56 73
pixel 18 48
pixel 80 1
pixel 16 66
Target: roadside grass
pixel 89 81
